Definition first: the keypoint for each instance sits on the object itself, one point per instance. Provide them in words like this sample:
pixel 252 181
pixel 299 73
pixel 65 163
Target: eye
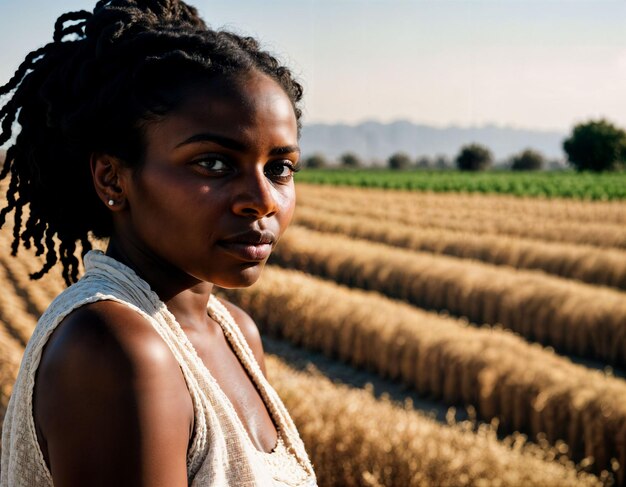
pixel 281 170
pixel 213 164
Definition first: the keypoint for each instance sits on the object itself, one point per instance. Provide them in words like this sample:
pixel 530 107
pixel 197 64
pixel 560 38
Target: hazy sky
pixel 525 63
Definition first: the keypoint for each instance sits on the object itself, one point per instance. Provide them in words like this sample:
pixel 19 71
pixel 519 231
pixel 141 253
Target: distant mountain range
pixel 377 141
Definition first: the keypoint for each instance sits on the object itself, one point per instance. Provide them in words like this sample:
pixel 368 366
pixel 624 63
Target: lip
pixel 247 252
pixel 251 246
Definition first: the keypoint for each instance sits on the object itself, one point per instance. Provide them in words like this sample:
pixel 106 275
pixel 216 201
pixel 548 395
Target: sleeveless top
pixel 221 452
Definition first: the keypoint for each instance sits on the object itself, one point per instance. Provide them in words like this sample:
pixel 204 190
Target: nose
pixel 254 196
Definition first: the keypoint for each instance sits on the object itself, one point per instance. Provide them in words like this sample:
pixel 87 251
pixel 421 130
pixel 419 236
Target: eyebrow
pixel 288 149
pixel 233 144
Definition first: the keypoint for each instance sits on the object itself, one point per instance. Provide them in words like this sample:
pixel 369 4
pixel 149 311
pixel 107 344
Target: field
pixel 563 184
pixel 430 339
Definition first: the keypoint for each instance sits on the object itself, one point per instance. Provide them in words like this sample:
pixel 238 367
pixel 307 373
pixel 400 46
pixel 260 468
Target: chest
pixel 222 363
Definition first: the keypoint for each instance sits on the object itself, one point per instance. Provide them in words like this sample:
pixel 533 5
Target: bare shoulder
pixel 107 340
pixel 110 400
pixel 111 330
pixel 249 329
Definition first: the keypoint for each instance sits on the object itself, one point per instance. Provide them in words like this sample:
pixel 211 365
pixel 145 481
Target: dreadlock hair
pixel 105 75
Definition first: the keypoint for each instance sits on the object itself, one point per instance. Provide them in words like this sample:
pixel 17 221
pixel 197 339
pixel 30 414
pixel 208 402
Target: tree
pixel 474 157
pixel 350 159
pixel 528 160
pixel 399 160
pixel 315 161
pixel 596 146
pixel 443 162
pixel 423 162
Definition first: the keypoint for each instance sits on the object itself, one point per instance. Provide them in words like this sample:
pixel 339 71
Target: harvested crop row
pixel 556 209
pixel 42 291
pixel 413 451
pixel 460 210
pixel 18 318
pixel 603 235
pixel 588 264
pixel 574 318
pixel 528 388
pixel 36 295
pixel 495 219
pixel 22 300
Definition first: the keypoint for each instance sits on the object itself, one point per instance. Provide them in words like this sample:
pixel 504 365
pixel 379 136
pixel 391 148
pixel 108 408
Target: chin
pixel 244 278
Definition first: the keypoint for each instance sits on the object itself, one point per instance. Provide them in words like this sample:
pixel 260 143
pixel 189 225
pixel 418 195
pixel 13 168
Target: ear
pixel 109 178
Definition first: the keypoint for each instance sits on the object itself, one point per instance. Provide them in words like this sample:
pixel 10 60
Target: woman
pixel 179 143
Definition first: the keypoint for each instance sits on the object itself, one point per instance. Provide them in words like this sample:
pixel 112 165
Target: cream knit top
pixel 221 452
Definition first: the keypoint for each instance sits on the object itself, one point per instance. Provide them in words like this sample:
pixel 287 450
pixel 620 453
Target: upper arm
pixel 250 331
pixel 111 402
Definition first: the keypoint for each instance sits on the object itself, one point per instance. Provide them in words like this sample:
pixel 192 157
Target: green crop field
pixel 564 184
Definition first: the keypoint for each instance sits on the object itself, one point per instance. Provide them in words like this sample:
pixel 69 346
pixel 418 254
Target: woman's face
pixel 216 191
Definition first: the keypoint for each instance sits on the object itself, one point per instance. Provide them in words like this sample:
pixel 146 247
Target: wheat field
pixel 512 309
pixel 529 222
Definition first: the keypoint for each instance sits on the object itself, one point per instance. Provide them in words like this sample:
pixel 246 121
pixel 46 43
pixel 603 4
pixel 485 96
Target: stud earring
pixel 111 202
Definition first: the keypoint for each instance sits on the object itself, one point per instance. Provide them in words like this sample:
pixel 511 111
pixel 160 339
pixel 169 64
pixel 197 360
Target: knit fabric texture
pixel 221 452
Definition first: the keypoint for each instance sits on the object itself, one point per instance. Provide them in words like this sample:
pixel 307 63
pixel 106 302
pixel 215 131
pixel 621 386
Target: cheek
pixel 164 201
pixel 287 206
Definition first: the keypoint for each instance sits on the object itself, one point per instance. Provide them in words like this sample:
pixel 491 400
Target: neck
pixel 185 296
